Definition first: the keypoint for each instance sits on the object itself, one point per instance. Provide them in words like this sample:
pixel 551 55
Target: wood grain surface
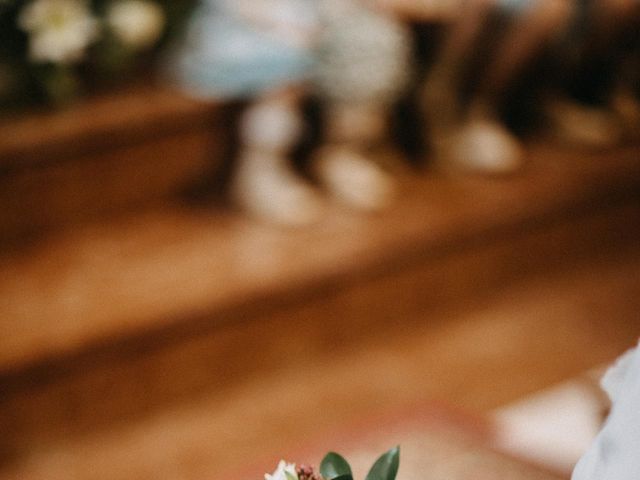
pixel 180 341
pixel 524 337
pixel 112 153
pixel 151 270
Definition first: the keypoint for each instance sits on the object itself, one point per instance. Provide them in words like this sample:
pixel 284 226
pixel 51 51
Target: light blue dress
pixel 515 7
pixel 226 53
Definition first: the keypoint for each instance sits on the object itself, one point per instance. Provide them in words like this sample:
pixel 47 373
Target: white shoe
pixel 481 146
pixel 354 179
pixel 268 189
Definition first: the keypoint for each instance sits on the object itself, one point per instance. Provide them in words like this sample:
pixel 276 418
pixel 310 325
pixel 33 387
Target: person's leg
pixel 264 182
pixel 625 95
pixel 469 132
pixel 345 164
pixel 441 97
pixel 363 69
pixel 591 104
pixel 535 24
pixel 601 48
pixel 625 100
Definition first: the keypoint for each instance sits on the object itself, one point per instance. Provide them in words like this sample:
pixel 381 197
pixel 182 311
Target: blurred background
pixel 238 231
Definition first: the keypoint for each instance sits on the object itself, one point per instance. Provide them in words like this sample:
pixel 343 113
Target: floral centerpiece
pixel 335 467
pixel 51 51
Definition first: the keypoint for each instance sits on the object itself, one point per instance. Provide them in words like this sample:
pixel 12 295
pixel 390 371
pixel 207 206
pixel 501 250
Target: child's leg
pixel 265 183
pixel 534 25
pixel 603 35
pixel 441 92
pixel 479 56
pixel 625 100
pixel 469 133
pixel 593 105
pixel 623 16
pixel 344 164
pixel 363 69
pixel 443 103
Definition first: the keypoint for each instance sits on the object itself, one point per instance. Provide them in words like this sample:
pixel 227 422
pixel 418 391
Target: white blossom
pixel 59 30
pixel 136 23
pixel 285 471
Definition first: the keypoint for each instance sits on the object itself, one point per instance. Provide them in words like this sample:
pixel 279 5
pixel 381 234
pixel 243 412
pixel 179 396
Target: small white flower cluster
pixel 285 471
pixel 60 31
pixel 136 23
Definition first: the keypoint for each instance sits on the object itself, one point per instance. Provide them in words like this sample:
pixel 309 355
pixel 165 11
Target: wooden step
pixel 529 335
pixel 110 153
pixel 113 321
pixel 118 277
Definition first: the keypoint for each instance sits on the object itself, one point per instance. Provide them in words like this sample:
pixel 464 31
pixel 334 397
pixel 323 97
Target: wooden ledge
pixel 110 154
pixel 162 268
pixel 105 122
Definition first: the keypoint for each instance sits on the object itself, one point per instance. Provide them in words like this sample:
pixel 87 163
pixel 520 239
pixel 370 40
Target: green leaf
pixel 334 467
pixel 386 467
pixel 346 476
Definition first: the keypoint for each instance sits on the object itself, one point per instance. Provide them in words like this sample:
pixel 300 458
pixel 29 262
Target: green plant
pixel 335 467
pixel 54 51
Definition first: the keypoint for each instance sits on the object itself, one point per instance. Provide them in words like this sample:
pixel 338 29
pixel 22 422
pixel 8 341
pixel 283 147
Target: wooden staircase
pixel 129 304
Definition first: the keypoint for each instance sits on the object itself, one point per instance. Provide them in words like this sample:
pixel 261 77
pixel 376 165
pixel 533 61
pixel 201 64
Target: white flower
pixel 285 471
pixel 136 23
pixel 60 30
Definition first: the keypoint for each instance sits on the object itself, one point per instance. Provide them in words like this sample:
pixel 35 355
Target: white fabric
pixel 615 454
pixel 363 55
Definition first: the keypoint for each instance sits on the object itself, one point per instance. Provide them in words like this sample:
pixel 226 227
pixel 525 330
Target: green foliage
pixel 386 467
pixel 106 62
pixel 335 467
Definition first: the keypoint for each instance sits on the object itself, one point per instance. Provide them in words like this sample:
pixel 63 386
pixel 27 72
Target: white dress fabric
pixel 615 453
pixel 363 55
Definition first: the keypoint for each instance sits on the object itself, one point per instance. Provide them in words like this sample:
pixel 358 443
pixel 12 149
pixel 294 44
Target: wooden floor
pixel 134 274
pixel 181 342
pixel 476 357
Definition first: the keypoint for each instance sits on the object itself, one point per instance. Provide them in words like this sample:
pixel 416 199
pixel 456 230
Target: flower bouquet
pixel 335 467
pixel 52 51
